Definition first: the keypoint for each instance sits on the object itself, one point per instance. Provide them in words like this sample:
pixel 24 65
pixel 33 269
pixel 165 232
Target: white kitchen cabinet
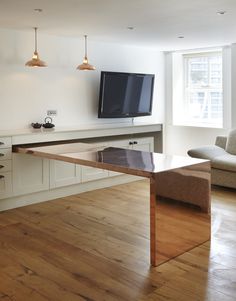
pixel 143 144
pixel 122 144
pixel 91 173
pixel 5 142
pixel 30 174
pixel 5 184
pixel 38 179
pixel 33 174
pixel 64 174
pixel 5 154
pixel 5 167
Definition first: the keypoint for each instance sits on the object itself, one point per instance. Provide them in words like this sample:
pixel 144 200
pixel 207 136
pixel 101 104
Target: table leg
pixel 179 211
pixel 153 221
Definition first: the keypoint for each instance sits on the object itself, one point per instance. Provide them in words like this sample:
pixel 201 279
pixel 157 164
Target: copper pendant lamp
pixel 35 61
pixel 85 65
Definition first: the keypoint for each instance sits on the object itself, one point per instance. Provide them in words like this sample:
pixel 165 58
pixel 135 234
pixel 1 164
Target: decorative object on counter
pixel 35 61
pixel 48 123
pixel 36 125
pixel 85 65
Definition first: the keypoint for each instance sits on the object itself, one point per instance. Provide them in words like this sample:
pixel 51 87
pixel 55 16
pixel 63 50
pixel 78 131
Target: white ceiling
pixel 156 23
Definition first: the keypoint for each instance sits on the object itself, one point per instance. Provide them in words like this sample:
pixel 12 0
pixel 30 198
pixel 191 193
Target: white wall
pixel 26 93
pixel 179 139
pixel 233 81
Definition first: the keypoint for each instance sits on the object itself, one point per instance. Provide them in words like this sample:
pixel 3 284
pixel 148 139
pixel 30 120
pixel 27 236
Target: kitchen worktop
pixel 30 135
pixel 83 127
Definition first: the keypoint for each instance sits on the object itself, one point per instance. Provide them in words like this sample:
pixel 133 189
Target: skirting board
pixel 43 196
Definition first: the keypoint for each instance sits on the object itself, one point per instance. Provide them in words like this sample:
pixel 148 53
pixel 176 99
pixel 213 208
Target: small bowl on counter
pixel 36 125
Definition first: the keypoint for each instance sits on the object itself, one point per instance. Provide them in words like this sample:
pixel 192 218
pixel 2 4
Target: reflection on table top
pixel 111 158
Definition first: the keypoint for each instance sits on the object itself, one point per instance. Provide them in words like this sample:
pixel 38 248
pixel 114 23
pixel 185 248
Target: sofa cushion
pixel 221 141
pixel 207 152
pixel 225 162
pixel 231 143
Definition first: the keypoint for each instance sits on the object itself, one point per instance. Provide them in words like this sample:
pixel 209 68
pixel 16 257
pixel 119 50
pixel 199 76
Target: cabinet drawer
pixel 5 154
pixel 5 184
pixel 144 144
pixel 5 165
pixel 121 144
pixel 5 142
pixel 91 173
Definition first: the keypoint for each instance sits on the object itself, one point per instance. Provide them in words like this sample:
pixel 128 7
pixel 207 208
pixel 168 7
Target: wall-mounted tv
pixel 125 94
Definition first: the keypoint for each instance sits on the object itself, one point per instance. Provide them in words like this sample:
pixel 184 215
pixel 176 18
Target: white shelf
pixel 82 132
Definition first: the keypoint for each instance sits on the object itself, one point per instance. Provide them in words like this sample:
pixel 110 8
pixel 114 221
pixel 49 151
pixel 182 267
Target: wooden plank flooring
pixel 95 246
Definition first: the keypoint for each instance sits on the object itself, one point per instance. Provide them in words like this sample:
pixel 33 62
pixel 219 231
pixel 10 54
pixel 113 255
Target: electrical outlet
pixel 51 112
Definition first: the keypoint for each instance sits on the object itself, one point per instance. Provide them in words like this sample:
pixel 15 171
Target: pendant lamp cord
pixel 85 45
pixel 35 38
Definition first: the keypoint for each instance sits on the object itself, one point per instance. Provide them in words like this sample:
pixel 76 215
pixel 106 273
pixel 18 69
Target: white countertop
pixel 30 135
pixel 84 127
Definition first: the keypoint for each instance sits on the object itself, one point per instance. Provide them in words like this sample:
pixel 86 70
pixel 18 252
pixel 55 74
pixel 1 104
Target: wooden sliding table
pixel 179 190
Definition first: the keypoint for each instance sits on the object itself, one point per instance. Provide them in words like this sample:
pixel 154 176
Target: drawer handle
pixel 135 142
pixel 1 177
pixel 131 143
pixel 2 166
pixel 2 143
pixel 1 155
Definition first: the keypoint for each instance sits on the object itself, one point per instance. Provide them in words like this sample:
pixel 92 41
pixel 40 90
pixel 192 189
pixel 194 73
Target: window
pixel 203 95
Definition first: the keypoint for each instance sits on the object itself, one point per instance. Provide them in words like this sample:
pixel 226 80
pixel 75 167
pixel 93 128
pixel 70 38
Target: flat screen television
pixel 125 94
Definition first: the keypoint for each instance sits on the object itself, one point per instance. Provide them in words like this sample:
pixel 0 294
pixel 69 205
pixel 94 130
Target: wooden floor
pixel 95 246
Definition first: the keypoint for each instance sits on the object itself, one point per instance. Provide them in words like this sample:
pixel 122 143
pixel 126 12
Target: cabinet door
pixel 121 144
pixel 144 144
pixel 30 174
pixel 91 173
pixel 64 173
pixel 5 185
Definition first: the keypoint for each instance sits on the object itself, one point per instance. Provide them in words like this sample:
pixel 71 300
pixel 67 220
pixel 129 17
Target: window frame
pixel 209 88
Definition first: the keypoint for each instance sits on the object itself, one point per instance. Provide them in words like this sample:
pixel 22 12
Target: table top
pixel 128 161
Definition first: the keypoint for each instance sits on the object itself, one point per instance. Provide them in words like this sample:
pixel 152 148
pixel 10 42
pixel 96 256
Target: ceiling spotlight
pixel 38 10
pixel 221 12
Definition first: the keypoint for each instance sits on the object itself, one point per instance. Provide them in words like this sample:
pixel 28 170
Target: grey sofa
pixel 223 159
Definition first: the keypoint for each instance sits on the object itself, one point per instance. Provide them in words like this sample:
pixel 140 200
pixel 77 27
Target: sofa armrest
pixel 221 141
pixel 208 152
